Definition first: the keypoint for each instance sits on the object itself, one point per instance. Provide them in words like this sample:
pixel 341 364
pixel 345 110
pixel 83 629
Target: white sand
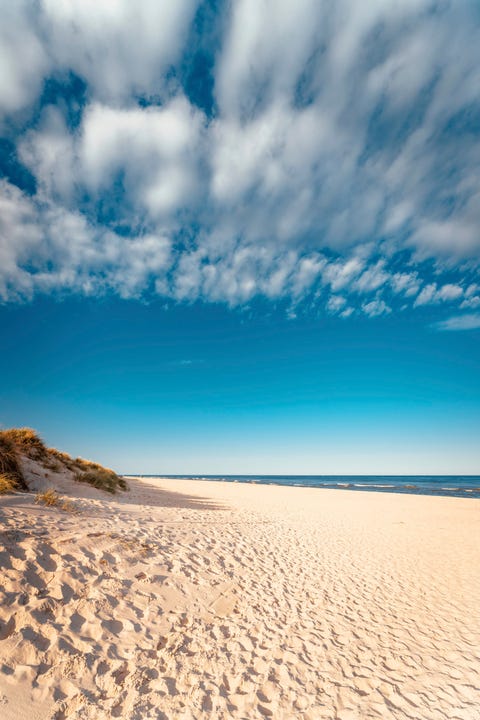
pixel 240 601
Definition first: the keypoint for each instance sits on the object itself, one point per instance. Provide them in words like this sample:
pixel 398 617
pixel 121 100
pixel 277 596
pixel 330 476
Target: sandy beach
pixel 183 599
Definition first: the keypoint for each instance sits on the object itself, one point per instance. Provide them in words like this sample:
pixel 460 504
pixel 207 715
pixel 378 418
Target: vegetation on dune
pixel 89 472
pixel 103 479
pixel 57 460
pixel 25 441
pixel 11 477
pixel 7 484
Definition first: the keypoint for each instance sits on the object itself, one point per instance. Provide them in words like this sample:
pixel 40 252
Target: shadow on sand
pixel 143 492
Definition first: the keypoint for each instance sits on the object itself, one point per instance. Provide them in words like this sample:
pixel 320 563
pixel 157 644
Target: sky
pixel 243 237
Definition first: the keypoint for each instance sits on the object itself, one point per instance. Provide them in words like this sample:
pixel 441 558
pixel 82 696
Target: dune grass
pixel 50 498
pixel 103 479
pixel 8 484
pixel 11 478
pixel 17 442
pixel 89 472
pixel 26 441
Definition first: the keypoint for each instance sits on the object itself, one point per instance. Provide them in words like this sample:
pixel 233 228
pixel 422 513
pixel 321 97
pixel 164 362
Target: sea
pixel 449 485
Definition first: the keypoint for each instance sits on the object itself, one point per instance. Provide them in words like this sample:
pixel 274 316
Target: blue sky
pixel 243 237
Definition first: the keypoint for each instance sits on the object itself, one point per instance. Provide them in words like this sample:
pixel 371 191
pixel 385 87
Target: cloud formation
pixel 283 149
pixel 460 322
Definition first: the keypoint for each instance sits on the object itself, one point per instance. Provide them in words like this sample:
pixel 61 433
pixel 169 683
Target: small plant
pixel 68 506
pixel 49 498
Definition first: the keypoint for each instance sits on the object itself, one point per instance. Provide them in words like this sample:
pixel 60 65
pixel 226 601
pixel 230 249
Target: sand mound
pixel 26 463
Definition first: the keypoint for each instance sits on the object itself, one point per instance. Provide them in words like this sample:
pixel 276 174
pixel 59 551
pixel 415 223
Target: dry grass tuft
pixel 49 498
pixel 69 506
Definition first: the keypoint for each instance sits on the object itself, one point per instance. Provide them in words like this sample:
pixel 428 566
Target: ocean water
pixel 449 485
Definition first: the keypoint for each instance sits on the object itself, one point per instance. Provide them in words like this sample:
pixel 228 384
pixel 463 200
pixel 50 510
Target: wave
pixel 447 485
pixel 375 485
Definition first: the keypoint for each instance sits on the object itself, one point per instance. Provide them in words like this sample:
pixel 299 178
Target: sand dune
pixel 240 601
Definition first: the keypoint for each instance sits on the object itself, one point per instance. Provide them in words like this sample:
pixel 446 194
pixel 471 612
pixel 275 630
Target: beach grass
pixel 102 479
pixel 50 498
pixel 8 484
pixel 11 478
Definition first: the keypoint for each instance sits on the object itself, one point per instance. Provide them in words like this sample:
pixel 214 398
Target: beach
pixel 192 599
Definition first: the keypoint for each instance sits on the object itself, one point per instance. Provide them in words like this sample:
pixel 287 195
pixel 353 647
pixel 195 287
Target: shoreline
pixel 472 493
pixel 240 600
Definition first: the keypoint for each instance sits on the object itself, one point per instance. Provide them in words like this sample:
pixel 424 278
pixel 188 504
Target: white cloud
pixel 45 248
pixel 340 274
pixel 254 57
pixel 376 307
pixel 435 238
pixel 471 303
pixel 326 160
pixel 155 149
pixel 336 303
pixel 407 283
pixel 236 278
pixel 460 322
pixel 449 292
pixel 20 239
pixel 24 59
pixel 306 273
pixel 427 295
pixel 49 152
pixel 121 48
pixel 372 278
pixel 433 294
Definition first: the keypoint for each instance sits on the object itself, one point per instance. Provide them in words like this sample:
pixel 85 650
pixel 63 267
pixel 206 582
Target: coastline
pixel 207 599
pixel 467 486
